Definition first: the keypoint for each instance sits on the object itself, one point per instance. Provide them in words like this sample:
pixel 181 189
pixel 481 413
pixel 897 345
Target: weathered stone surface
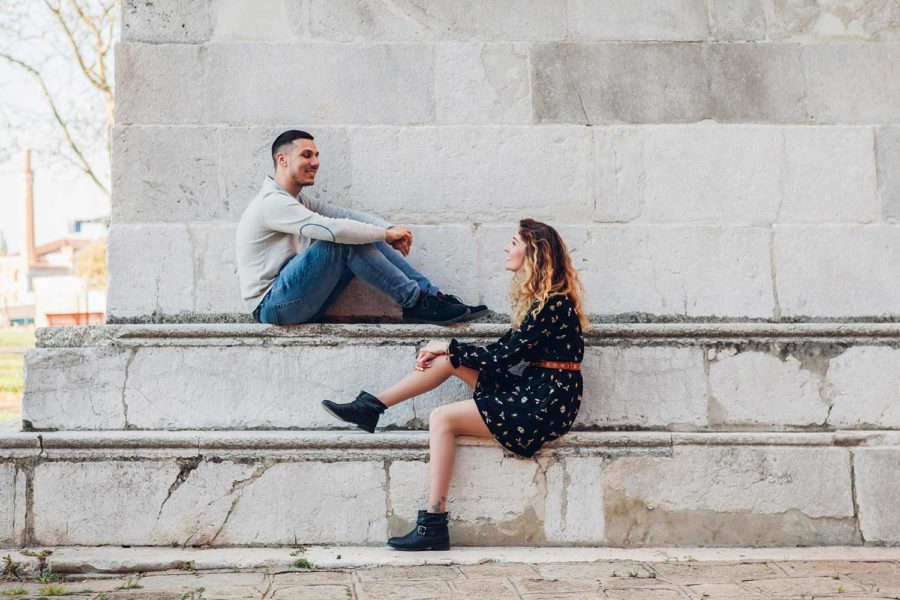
pixel 717 496
pixel 619 177
pixel 797 20
pixel 150 271
pixel 502 20
pixel 216 285
pixel 453 174
pixel 711 173
pixel 262 21
pixel 837 271
pixel 372 84
pixel 754 388
pixel 864 383
pixel 12 522
pixel 592 20
pixel 877 473
pixel 75 388
pixel 574 506
pixel 737 20
pixel 211 388
pixel 306 495
pixel 852 83
pixel 887 144
pixel 494 499
pixel 158 83
pixel 482 83
pixel 806 586
pixel 166 174
pixel 144 21
pixel 666 83
pixel 245 159
pixel 829 175
pixel 646 387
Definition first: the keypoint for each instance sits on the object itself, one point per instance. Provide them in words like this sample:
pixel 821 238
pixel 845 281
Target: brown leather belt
pixel 555 364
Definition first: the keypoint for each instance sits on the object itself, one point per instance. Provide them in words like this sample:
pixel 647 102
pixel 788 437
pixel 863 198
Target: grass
pixel 16 338
pixel 19 591
pixel 12 372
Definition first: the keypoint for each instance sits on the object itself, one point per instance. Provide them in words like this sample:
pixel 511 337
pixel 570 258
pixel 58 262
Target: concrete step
pixel 659 376
pixel 623 489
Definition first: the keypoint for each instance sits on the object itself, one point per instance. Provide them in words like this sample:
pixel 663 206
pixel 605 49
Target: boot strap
pixel 421 529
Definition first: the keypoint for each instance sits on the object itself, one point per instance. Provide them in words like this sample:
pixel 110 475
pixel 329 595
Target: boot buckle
pixel 421 530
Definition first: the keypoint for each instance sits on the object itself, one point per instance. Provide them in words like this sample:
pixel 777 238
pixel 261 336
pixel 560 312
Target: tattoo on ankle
pixel 436 507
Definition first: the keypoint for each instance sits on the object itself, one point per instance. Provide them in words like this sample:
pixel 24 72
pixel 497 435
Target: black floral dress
pixel 525 411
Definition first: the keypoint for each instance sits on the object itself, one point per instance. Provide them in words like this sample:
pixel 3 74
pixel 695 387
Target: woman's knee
pixel 439 420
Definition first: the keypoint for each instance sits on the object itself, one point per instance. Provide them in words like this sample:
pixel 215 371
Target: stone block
pixel 494 498
pixel 837 270
pixel 75 388
pixel 260 21
pixel 12 505
pixel 150 270
pixel 245 159
pixel 166 174
pixel 211 387
pixel 643 387
pixel 158 83
pixel 352 84
pixel 216 286
pixel 619 175
pixel 887 144
pixel 299 503
pixel 574 506
pixel 864 383
pixel 482 83
pixel 711 173
pixel 666 83
pixel 796 20
pixel 405 20
pixel 852 83
pixel 629 20
pixel 757 388
pixel 440 174
pixel 720 496
pixel 829 175
pixel 168 21
pixel 737 20
pixel 877 478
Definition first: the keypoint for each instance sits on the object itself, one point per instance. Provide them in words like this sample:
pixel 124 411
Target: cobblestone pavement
pixel 613 580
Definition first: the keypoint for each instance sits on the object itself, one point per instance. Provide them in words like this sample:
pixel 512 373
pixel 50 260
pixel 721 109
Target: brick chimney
pixel 28 252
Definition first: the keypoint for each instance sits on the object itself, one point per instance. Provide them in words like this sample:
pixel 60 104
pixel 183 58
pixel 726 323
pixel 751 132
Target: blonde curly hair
pixel 546 270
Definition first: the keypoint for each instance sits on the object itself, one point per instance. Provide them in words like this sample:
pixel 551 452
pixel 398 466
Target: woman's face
pixel 515 253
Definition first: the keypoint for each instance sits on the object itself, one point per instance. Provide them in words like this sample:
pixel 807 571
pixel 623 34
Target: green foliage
pixel 302 563
pixel 19 591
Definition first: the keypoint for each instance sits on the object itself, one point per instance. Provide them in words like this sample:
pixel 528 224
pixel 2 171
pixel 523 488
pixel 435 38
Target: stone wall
pixel 702 158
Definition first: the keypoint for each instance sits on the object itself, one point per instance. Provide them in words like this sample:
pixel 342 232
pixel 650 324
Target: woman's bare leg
pixel 444 425
pixel 419 382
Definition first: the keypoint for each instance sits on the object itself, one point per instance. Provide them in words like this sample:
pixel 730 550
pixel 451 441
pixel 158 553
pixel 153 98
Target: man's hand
pixel 400 238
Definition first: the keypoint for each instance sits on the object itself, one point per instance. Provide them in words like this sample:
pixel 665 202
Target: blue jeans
pixel 311 281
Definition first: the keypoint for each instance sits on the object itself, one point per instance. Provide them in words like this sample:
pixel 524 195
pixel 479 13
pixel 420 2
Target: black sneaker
pixel 475 312
pixel 435 310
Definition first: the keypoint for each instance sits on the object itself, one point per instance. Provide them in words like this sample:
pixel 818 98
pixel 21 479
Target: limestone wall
pixel 702 158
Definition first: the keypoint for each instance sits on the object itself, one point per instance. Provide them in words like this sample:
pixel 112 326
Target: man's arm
pixel 339 212
pixel 282 212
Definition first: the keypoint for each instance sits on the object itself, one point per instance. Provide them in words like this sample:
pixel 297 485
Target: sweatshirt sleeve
pixel 282 212
pixel 339 212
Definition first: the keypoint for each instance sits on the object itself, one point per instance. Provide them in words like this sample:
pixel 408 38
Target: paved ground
pixel 604 579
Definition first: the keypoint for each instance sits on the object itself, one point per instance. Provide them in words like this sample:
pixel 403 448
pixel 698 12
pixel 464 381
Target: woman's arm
pixel 506 352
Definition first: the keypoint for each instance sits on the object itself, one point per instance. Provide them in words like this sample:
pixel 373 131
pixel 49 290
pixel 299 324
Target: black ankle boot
pixel 362 412
pixel 437 310
pixel 430 533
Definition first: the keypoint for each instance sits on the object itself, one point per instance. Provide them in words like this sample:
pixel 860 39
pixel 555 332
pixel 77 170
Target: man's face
pixel 303 162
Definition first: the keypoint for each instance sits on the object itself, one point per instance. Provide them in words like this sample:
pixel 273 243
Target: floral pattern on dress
pixel 525 411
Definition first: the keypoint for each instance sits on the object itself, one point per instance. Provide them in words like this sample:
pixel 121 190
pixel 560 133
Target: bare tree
pixel 65 47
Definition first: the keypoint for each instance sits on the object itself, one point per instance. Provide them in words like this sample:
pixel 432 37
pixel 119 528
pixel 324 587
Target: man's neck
pixel 290 186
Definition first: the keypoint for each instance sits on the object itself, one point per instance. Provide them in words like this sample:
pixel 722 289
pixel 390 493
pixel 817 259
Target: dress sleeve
pixel 506 352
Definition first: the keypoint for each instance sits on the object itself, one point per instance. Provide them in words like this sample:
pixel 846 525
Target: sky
pixel 61 193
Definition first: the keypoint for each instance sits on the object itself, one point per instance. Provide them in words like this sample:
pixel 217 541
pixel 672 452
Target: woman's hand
pixel 427 354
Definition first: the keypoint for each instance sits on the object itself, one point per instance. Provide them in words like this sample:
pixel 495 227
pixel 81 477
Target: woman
pixel 521 411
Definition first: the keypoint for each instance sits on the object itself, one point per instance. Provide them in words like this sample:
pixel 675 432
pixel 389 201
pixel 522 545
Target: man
pixel 296 254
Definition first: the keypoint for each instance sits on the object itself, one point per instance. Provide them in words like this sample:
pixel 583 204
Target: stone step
pixel 624 489
pixel 658 376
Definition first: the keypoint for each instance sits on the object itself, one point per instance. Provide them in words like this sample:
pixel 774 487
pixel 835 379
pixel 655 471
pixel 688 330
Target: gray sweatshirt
pixel 276 226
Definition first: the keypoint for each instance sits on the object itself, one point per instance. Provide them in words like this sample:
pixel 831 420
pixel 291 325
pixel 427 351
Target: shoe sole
pixel 441 548
pixel 458 319
pixel 332 413
pixel 478 316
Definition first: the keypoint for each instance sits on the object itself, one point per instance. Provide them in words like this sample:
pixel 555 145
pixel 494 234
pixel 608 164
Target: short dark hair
pixel 286 138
